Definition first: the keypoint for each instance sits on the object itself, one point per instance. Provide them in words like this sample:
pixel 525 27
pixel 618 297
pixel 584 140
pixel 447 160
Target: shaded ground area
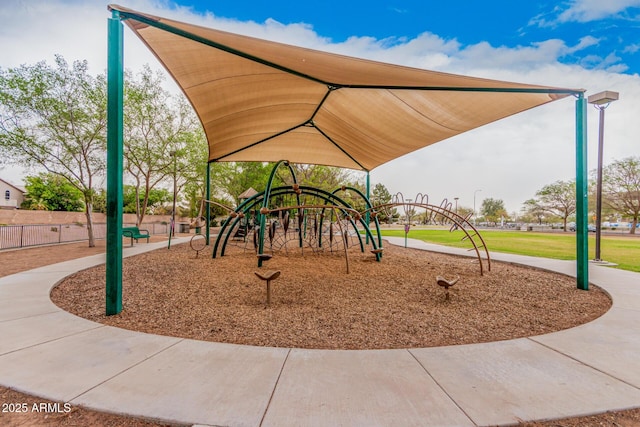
pixel 15 261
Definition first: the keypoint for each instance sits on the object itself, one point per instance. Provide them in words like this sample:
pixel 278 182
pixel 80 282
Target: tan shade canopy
pixel 264 101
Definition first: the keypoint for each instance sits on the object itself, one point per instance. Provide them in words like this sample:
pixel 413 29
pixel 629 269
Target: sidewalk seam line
pixel 583 363
pixel 126 369
pixel 30 316
pixel 441 387
pixel 275 386
pixel 98 326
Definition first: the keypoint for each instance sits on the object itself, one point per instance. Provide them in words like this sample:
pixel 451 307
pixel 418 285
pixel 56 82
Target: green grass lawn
pixel 622 250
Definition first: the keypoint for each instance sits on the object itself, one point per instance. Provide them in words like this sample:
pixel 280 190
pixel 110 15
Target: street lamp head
pixel 602 98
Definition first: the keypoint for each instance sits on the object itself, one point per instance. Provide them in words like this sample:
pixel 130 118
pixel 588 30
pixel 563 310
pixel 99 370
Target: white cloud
pixel 632 48
pixel 586 11
pixel 584 43
pixel 508 160
pixel 425 51
pixel 592 10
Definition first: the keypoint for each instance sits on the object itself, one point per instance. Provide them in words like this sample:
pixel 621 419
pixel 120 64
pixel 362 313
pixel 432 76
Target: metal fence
pixel 19 236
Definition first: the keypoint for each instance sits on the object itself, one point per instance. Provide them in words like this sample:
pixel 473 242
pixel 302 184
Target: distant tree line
pixel 620 196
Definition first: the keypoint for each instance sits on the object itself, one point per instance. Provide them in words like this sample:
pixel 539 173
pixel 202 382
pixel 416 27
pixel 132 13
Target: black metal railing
pixel 20 236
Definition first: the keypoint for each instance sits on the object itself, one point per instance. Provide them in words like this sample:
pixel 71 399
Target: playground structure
pixel 297 216
pixel 318 107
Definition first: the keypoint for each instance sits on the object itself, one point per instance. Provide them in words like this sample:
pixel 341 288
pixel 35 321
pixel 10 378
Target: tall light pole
pixel 474 207
pixel 456 199
pixel 600 101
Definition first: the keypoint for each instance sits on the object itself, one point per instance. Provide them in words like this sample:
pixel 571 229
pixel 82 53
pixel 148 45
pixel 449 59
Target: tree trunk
pixel 138 217
pixel 634 224
pixel 143 209
pixel 87 211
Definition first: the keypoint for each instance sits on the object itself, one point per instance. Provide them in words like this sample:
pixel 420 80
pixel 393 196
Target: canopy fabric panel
pixel 265 101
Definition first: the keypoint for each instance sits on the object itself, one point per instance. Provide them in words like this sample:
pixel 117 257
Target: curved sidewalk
pixel 53 354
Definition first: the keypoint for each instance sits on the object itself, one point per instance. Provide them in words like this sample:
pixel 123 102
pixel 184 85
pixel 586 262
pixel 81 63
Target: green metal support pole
pixel 582 244
pixel 367 217
pixel 114 165
pixel 208 206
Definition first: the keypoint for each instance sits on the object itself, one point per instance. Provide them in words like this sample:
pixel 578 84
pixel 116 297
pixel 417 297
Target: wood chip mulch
pixel 394 303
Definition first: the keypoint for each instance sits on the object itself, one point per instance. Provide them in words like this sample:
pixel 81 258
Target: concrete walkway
pixel 585 370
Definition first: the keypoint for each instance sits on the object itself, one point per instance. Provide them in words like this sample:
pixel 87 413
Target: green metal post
pixel 582 244
pixel 208 206
pixel 265 204
pixel 367 218
pixel 114 165
pixel 263 224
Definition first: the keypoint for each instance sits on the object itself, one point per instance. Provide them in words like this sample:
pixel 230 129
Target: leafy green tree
pixel 464 211
pixel 100 201
pixel 191 170
pixel 379 196
pixel 155 198
pixel 158 130
pixel 558 199
pixel 37 204
pixel 326 178
pixel 194 195
pixel 53 193
pixel 232 179
pixel 54 118
pixel 621 188
pixel 493 210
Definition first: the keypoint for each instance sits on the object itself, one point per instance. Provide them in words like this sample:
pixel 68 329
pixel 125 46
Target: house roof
pixel 18 188
pixel 248 193
pixel 260 100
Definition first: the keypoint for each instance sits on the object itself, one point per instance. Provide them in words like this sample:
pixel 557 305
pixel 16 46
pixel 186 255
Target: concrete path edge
pixel 53 354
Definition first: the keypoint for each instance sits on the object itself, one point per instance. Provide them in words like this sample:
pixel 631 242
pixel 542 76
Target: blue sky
pixel 589 44
pixel 601 34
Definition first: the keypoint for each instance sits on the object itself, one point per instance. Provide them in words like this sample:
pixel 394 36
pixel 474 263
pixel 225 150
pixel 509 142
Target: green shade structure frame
pixel 139 21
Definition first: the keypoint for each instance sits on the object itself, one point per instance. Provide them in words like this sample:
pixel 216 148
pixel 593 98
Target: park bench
pixel 135 233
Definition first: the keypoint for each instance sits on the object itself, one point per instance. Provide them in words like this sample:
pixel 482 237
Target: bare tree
pixel 533 210
pixel 621 188
pixel 557 199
